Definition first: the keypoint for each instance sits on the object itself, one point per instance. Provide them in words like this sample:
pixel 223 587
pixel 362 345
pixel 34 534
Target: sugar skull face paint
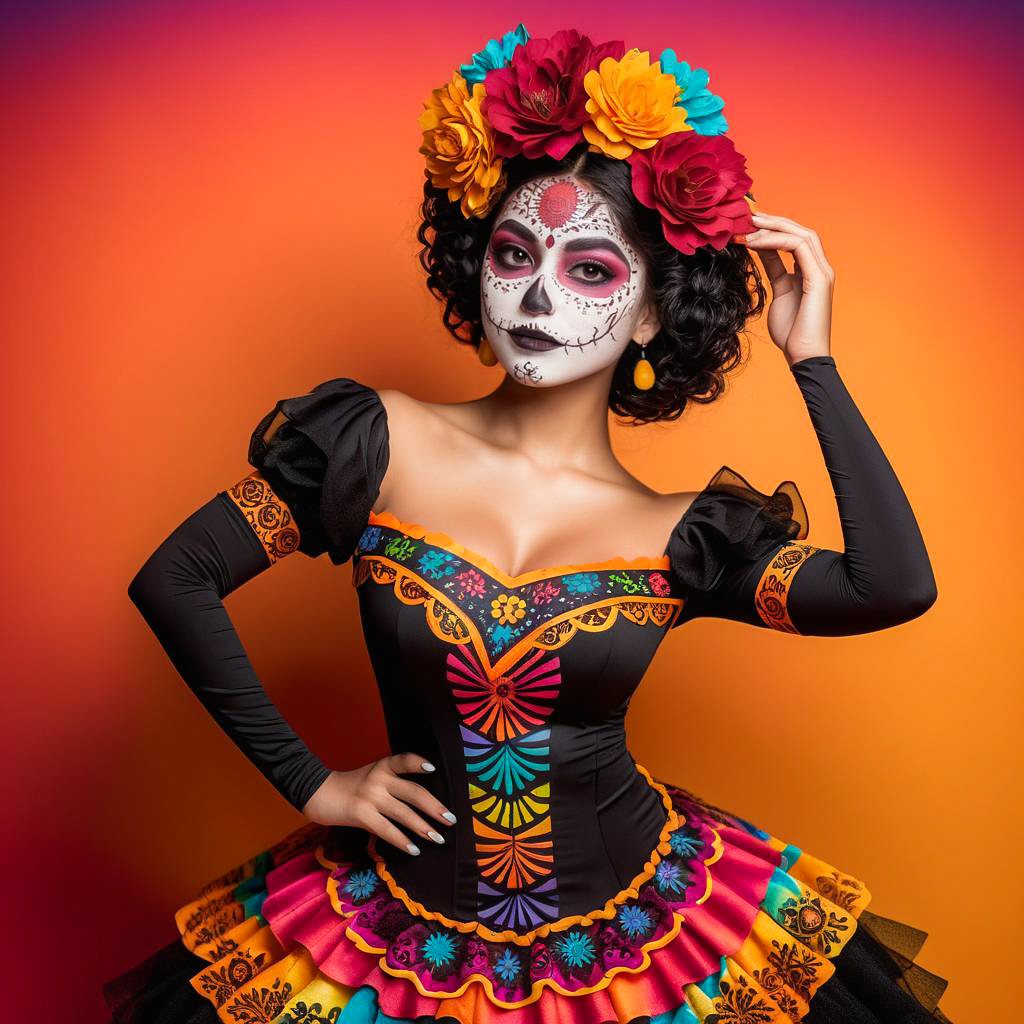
pixel 561 288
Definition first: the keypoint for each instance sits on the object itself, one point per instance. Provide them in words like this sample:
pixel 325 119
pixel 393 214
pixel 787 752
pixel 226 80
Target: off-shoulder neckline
pixel 439 538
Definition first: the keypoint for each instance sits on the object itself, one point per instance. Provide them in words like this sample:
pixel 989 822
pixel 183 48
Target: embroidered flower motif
pixel 361 884
pixel 808 920
pixel 659 585
pixel 669 877
pixel 508 966
pixel 630 583
pixel 544 592
pixel 582 582
pixel 400 548
pixel 685 842
pixel 494 55
pixel 537 103
pixel 369 538
pixel 576 949
pixel 471 583
pixel 703 108
pixel 635 921
pixel 741 1004
pixel 508 608
pixel 503 635
pixel 697 184
pixel 437 563
pixel 458 143
pixel 632 105
pixel 439 949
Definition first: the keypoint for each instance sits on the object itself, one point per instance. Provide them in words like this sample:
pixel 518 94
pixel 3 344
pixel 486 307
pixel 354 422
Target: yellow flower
pixel 632 104
pixel 506 608
pixel 459 146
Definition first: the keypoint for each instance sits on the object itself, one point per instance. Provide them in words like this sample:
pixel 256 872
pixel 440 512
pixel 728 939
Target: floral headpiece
pixel 540 97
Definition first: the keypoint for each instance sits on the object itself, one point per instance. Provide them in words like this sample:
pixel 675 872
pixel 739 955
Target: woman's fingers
pixel 413 793
pixel 769 220
pixel 399 811
pixel 373 821
pixel 812 268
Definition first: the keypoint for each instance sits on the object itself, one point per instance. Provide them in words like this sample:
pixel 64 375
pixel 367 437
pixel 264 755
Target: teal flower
pixel 582 582
pixel 361 884
pixel 634 921
pixel 494 55
pixel 685 843
pixel 437 563
pixel 439 949
pixel 576 949
pixel 703 107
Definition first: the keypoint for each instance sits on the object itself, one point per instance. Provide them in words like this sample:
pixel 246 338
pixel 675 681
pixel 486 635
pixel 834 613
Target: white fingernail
pixel 427 766
pixel 448 816
pixel 412 848
pixel 436 837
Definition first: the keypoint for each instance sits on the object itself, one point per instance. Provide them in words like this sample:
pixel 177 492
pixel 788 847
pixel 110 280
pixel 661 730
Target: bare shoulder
pixel 409 417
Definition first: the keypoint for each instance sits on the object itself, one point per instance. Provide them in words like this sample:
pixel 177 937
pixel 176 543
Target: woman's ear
pixel 648 325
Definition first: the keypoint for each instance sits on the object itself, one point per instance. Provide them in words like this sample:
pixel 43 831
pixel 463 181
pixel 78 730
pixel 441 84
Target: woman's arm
pixel 747 546
pixel 882 578
pixel 180 590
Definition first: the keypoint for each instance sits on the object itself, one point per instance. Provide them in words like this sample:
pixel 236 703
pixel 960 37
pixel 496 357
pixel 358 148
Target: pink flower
pixel 696 182
pixel 536 104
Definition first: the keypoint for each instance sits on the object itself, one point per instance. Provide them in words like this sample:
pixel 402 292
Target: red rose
pixel 696 182
pixel 536 104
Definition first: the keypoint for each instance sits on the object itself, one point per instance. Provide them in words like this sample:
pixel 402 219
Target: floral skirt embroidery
pixel 730 926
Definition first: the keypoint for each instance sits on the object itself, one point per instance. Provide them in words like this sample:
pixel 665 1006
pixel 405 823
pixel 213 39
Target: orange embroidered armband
pixel 268 515
pixel 773 587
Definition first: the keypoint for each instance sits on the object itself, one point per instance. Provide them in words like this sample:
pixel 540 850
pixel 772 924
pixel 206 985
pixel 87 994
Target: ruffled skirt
pixel 730 926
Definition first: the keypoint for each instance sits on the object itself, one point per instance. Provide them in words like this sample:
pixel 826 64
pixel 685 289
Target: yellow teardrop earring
pixel 486 353
pixel 643 372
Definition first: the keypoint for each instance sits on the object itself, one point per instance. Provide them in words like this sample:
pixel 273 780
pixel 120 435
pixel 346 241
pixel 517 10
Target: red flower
pixel 536 104
pixel 696 182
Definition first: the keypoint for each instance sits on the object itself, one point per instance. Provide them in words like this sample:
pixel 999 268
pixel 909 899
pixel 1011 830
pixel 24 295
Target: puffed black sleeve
pixel 318 472
pixel 741 553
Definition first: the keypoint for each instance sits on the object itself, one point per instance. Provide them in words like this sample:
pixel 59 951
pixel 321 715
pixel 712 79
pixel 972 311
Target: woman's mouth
pixel 533 340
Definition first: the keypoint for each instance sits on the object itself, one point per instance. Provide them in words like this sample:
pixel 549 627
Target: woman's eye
pixel 505 249
pixel 602 273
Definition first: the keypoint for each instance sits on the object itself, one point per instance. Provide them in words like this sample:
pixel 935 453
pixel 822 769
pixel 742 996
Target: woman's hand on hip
pixel 370 796
pixel 800 313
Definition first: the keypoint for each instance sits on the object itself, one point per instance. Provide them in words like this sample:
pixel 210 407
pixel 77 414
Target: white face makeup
pixel 558 268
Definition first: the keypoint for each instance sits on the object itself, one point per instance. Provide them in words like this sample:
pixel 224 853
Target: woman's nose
pixel 536 300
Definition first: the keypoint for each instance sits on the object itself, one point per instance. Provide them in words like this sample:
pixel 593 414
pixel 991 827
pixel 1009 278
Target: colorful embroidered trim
pixel 773 587
pixel 268 515
pixel 467 599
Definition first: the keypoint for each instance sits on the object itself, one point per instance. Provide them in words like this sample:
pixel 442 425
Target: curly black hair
pixel 703 300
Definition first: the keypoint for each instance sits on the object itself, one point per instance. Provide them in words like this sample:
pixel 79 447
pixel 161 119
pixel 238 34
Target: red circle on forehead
pixel 558 203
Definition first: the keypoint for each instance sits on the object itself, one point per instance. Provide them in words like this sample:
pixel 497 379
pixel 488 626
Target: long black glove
pixel 736 549
pixel 179 591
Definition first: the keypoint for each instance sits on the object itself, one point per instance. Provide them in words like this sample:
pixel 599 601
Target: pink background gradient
pixel 209 207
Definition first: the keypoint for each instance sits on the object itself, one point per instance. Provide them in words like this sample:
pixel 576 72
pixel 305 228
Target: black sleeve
pixel 740 553
pixel 328 456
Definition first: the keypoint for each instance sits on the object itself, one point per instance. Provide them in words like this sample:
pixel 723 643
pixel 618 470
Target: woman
pixel 587 225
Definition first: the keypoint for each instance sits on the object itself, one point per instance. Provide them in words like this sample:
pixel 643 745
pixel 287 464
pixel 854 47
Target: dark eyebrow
pixel 575 245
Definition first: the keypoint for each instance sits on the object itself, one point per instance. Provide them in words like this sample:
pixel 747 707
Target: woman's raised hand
pixel 800 313
pixel 369 796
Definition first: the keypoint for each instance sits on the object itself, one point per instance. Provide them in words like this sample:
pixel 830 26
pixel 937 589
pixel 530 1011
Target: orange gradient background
pixel 210 208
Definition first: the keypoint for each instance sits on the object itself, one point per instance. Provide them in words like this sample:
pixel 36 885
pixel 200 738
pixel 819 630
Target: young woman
pixel 586 224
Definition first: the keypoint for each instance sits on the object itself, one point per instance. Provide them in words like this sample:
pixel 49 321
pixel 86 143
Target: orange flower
pixel 632 105
pixel 459 146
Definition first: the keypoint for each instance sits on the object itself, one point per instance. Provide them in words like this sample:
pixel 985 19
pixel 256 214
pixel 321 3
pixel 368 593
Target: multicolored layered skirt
pixel 726 925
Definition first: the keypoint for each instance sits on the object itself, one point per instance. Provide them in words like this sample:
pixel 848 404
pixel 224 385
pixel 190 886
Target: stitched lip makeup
pixel 532 340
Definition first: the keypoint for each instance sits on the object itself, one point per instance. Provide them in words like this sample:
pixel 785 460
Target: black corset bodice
pixel 516 689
